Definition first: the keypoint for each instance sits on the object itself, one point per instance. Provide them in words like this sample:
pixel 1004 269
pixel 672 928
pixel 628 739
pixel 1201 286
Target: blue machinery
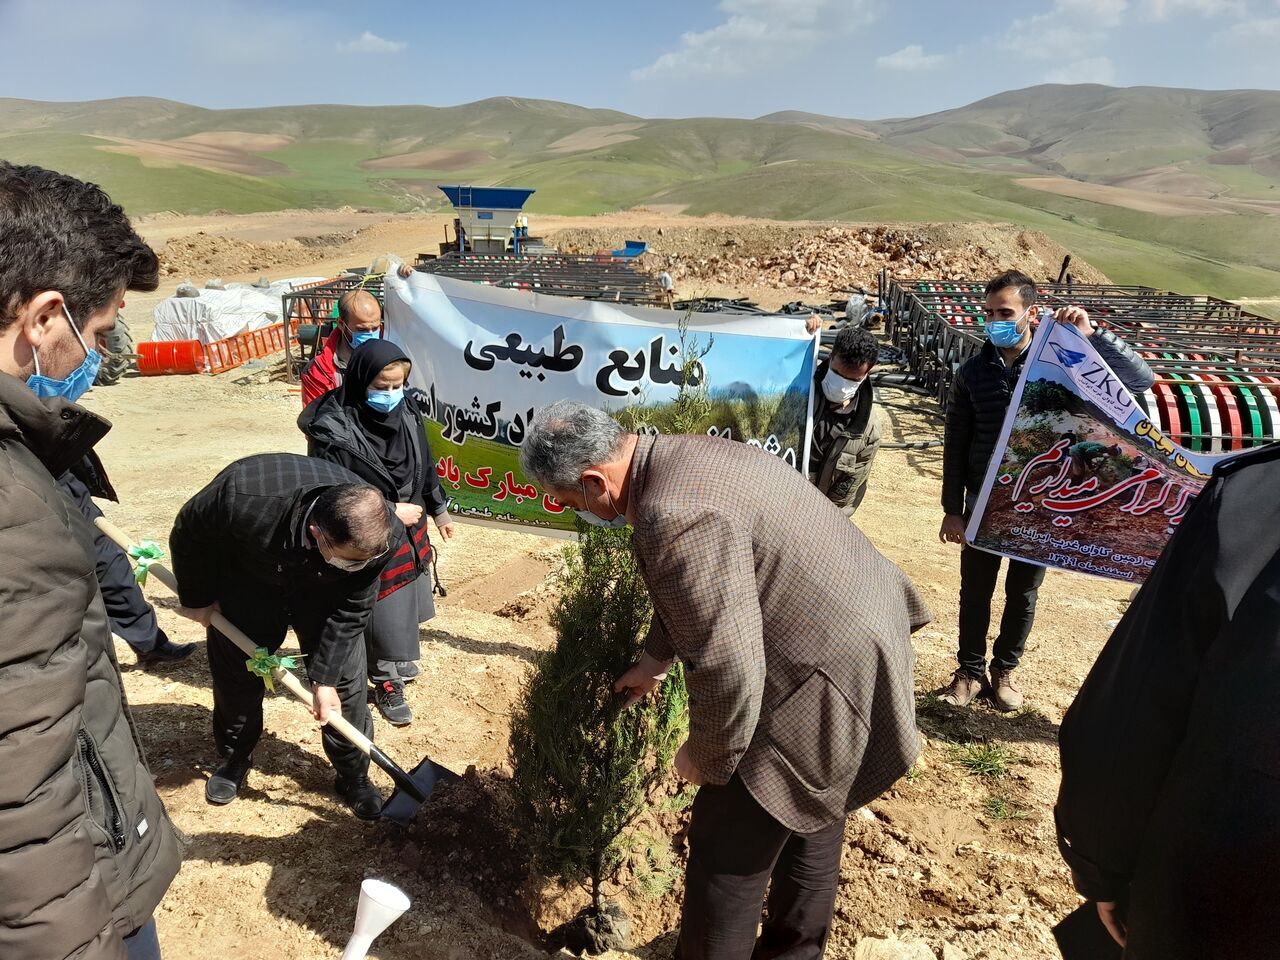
pixel 489 218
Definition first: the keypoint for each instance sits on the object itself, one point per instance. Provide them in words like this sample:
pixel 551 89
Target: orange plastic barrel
pixel 156 357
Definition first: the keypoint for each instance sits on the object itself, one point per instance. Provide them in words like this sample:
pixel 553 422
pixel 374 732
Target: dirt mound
pixel 917 863
pixel 824 261
pixel 208 254
pixel 465 837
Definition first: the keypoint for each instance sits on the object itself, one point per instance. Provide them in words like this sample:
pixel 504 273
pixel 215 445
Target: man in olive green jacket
pixel 86 848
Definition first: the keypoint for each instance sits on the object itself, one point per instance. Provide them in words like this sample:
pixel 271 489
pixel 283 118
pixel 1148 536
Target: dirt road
pixel 965 863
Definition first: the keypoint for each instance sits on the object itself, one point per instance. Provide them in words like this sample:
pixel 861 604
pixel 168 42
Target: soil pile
pixel 207 255
pixel 835 259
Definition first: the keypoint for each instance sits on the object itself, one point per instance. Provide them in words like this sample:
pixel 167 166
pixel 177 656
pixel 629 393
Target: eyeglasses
pixel 342 563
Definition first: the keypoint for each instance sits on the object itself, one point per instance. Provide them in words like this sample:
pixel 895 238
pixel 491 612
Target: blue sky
pixel 744 58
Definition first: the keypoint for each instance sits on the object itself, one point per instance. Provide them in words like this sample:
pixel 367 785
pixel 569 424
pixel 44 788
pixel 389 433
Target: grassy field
pixel 795 166
pixel 146 189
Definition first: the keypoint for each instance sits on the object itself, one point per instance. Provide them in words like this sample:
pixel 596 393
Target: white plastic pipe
pixel 381 905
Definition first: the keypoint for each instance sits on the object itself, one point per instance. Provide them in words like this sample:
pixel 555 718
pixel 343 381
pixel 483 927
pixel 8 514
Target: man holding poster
pixel 980 396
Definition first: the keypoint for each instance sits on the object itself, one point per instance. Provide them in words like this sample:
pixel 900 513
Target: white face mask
pixel 588 517
pixel 342 563
pixel 840 389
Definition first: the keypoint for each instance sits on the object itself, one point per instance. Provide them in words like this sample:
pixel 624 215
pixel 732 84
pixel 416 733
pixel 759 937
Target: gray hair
pixel 566 438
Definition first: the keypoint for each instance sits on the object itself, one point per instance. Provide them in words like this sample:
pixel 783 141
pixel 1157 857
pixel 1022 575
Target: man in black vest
pixel 846 437
pixel 278 541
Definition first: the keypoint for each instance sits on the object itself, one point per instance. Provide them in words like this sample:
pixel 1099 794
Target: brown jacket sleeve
pixel 52 900
pixel 658 644
pixel 700 569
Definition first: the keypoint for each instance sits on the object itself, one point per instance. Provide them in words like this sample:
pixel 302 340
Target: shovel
pixel 412 788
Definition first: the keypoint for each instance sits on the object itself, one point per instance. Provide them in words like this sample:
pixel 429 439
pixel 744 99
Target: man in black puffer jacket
pixel 979 399
pixel 86 848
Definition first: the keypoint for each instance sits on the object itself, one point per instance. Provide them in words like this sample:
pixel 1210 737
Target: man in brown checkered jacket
pixel 795 637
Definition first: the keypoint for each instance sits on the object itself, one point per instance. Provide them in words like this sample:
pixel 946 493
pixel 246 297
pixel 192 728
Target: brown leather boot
pixel 1005 695
pixel 962 689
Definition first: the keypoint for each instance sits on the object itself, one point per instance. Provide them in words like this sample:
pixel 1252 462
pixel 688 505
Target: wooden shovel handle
pixel 237 636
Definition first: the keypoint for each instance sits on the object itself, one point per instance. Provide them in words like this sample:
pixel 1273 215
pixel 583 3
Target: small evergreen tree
pixel 584 765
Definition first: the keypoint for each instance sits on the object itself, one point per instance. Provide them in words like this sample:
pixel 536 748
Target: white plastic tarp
pixel 215 315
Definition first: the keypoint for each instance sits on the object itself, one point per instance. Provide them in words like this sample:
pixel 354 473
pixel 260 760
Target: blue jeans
pixel 143 944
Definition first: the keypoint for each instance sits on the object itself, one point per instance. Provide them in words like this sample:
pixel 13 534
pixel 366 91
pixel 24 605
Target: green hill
pixel 1174 187
pixel 1194 142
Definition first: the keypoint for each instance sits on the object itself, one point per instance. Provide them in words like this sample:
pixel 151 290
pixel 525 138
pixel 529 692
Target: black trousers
pixel 132 618
pixel 735 849
pixel 978 572
pixel 265 615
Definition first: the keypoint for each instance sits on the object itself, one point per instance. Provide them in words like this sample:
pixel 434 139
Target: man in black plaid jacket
pixel 278 541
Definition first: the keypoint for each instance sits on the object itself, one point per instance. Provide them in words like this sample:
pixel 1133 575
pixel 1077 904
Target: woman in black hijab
pixel 373 428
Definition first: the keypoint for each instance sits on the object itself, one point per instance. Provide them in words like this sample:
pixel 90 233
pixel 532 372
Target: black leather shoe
pixel 227 780
pixel 360 795
pixel 166 651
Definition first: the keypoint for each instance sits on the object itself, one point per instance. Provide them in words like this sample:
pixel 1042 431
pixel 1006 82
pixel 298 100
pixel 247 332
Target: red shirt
pixel 321 374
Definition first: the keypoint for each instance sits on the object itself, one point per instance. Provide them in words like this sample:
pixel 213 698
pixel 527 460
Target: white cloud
pixel 1061 39
pixel 756 32
pixel 1106 12
pixel 1161 9
pixel 911 59
pixel 1090 70
pixel 1262 30
pixel 371 43
pixel 1068 29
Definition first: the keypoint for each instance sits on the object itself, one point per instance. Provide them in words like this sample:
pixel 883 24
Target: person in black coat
pixel 278 541
pixel 133 620
pixel 372 427
pixel 980 396
pixel 1169 810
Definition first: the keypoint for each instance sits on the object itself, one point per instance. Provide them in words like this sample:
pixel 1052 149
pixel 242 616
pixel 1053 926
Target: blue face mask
pixel 75 384
pixel 363 336
pixel 1005 333
pixel 384 401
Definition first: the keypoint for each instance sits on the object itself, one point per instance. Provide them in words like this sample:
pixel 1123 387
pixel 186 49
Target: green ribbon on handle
pixel 145 554
pixel 264 664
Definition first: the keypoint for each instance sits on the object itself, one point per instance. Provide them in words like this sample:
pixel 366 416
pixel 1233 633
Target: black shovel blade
pixel 402 806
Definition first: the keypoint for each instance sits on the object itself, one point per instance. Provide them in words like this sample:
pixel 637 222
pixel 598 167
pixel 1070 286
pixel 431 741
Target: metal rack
pixel 556 274
pixel 1217 366
pixel 317 305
